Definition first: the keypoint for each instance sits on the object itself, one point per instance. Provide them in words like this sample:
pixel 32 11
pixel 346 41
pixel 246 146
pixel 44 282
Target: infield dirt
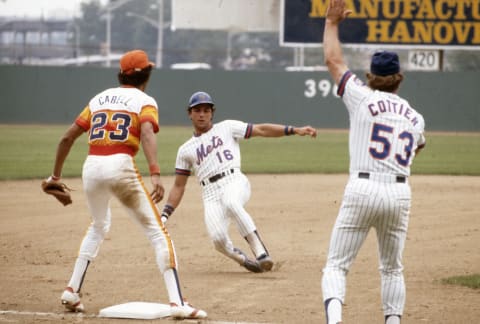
pixel 39 240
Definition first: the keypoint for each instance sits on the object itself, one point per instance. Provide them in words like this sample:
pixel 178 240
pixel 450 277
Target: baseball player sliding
pixel 385 135
pixel 213 154
pixel 118 120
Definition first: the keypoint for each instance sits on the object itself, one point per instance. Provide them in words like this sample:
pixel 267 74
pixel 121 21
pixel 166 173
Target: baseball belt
pixel 366 175
pixel 217 177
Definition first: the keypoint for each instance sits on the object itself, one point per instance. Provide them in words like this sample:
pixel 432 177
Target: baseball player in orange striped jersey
pixel 213 154
pixel 385 135
pixel 118 120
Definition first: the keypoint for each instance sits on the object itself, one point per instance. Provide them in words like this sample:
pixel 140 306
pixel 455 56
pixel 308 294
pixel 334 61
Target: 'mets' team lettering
pixel 203 152
pixel 388 106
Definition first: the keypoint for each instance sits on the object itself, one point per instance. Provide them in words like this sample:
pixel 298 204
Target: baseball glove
pixel 57 189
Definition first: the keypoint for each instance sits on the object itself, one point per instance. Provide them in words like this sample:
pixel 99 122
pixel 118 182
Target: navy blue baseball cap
pixel 385 63
pixel 200 97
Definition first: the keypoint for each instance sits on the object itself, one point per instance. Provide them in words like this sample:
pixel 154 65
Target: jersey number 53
pixel 384 135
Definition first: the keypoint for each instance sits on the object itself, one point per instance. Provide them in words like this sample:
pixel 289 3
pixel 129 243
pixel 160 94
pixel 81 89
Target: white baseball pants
pixel 225 200
pixel 116 175
pixel 383 204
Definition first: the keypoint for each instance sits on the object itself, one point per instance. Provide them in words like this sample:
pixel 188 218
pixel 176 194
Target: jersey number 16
pixel 226 153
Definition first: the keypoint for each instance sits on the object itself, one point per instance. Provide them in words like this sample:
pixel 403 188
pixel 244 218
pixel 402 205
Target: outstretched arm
pixel 332 49
pixel 275 130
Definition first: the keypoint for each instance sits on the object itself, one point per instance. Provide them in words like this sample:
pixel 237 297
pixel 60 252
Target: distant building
pixel 31 41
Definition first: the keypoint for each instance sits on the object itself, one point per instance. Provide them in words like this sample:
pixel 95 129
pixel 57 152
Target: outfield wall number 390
pixel 323 88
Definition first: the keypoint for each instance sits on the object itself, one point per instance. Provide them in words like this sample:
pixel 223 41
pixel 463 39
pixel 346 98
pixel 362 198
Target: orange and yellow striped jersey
pixel 113 119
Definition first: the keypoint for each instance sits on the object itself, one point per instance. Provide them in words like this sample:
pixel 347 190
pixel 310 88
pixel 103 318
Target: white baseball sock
pixel 392 319
pixel 173 287
pixel 334 311
pixel 79 270
pixel 256 244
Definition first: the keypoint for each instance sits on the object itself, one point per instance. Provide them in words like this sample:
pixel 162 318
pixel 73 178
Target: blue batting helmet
pixel 198 98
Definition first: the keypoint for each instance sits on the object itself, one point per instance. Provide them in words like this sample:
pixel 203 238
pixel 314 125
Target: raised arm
pixel 332 49
pixel 276 130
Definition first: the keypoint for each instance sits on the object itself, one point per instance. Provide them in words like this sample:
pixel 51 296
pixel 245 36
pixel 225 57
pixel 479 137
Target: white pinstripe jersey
pixel 385 130
pixel 214 151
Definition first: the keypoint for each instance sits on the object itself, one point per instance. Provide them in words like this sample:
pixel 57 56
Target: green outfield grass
pixel 28 151
pixel 470 281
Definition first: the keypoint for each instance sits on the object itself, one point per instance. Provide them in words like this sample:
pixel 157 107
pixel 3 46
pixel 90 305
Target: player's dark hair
pixel 388 83
pixel 189 109
pixel 136 78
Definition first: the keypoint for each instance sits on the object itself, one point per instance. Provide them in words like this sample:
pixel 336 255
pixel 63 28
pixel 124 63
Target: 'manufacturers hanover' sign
pixel 410 23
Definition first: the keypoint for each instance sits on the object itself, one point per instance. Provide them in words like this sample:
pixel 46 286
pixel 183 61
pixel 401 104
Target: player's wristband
pixel 54 178
pixel 289 130
pixel 167 210
pixel 154 169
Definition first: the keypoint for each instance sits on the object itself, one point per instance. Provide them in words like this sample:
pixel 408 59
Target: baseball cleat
pixel 265 262
pixel 250 265
pixel 186 311
pixel 71 301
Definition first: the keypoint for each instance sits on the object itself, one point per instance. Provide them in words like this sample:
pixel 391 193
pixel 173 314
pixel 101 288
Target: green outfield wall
pixel 449 101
